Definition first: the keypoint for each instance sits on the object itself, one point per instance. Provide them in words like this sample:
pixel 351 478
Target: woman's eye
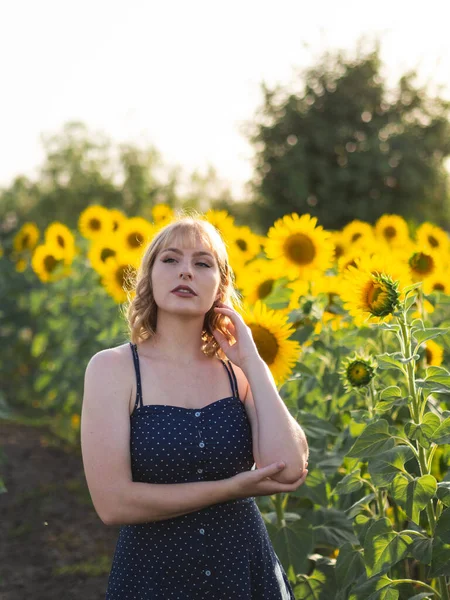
pixel 199 263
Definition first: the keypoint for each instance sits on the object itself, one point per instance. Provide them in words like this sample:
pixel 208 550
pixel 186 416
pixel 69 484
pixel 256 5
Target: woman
pixel 169 440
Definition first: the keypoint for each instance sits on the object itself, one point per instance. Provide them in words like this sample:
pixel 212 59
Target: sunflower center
pixel 300 249
pixel 242 245
pixel 50 263
pixel 121 276
pixel 265 288
pixel 266 343
pixel 25 240
pixel 356 236
pixel 433 241
pixel 338 251
pixel 95 224
pixel 106 253
pixel 135 239
pixel 421 263
pixel 389 232
pixel 428 356
pixel 359 373
pixel 439 287
pixel 61 241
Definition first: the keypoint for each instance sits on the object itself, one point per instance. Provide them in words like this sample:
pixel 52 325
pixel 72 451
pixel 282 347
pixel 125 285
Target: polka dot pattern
pixel 221 552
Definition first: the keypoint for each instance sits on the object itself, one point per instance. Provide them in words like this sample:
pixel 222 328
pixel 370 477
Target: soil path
pixel 53 544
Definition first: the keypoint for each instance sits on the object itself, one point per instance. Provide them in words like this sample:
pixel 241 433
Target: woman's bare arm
pixel 105 444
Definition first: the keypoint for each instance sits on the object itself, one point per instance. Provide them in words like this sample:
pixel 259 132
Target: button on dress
pixel 221 552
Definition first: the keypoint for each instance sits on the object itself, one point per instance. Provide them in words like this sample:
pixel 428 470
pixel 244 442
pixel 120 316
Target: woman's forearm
pixel 144 502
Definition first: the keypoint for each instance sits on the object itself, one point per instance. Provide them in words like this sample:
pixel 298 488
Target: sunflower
pixel 26 238
pixel 423 263
pixel 270 331
pixel 392 229
pixel 100 250
pixel 61 236
pixel 300 248
pixel 258 284
pixel 222 221
pixel 433 238
pixel 119 275
pixel 117 218
pixel 437 282
pixel 357 232
pixel 370 295
pixel 434 354
pixel 357 371
pixel 162 214
pixel 243 245
pixel 340 244
pixel 95 220
pixel 20 265
pixel 48 262
pixel 300 288
pixel 134 234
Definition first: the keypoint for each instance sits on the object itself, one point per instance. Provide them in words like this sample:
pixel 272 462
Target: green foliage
pixel 346 147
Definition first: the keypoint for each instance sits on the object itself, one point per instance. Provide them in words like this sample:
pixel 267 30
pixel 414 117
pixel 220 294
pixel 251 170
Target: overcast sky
pixel 184 75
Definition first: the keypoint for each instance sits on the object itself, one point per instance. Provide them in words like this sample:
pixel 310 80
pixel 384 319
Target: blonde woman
pixel 172 424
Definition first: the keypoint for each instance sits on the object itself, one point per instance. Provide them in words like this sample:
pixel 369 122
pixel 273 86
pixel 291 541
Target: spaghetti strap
pixel 138 375
pixel 232 377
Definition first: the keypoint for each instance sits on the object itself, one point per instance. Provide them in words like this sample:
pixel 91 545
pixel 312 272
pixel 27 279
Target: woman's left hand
pixel 244 348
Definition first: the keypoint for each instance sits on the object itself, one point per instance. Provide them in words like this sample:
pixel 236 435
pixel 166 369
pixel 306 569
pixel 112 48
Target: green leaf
pixel 384 467
pixel 361 525
pixel 440 560
pixel 361 505
pixel 392 391
pixel 374 439
pixel 311 587
pixel 413 495
pixel 443 492
pixel 349 566
pixel 428 334
pixel 387 361
pixel 437 380
pixel 315 487
pixel 332 528
pixel 421 549
pixel 384 547
pixel 386 405
pixel 423 432
pixel 442 529
pixel 293 543
pixel 350 483
pixel 315 427
pixel 375 588
pixel 442 433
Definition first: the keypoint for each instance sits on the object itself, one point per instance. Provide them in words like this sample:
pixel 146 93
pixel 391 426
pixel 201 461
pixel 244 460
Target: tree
pixel 350 148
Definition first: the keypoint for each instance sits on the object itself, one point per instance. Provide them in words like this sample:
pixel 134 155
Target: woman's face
pixel 195 267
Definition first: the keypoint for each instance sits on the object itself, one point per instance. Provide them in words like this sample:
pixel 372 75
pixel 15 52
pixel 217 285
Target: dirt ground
pixel 53 544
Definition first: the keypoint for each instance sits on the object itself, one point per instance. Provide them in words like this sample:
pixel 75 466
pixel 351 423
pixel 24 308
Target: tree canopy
pixel 348 147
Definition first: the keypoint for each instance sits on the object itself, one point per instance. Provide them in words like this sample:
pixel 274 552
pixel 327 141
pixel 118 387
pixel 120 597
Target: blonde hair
pixel 141 310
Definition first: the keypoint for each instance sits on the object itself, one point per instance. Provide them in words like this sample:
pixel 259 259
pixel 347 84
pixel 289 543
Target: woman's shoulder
pixel 115 356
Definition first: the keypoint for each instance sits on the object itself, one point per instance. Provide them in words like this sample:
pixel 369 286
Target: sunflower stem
pixel 278 502
pixel 416 415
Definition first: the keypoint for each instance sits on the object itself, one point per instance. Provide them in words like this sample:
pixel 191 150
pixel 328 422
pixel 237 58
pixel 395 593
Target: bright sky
pixel 184 76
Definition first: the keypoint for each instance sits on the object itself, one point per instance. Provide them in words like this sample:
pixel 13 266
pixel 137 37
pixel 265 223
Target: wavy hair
pixel 141 309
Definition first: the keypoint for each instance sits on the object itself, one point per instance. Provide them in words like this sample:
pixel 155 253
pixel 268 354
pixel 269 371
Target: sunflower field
pixel 354 325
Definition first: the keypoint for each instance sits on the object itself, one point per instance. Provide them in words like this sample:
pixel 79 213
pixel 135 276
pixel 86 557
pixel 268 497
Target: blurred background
pixel 249 110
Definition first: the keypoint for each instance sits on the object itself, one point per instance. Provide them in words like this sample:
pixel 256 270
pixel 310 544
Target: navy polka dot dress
pixel 221 552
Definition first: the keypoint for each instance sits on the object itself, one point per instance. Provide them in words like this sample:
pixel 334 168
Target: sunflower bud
pixel 357 371
pixel 382 295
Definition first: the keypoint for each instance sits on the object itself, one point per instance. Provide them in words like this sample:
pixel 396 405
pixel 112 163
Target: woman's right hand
pixel 258 482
